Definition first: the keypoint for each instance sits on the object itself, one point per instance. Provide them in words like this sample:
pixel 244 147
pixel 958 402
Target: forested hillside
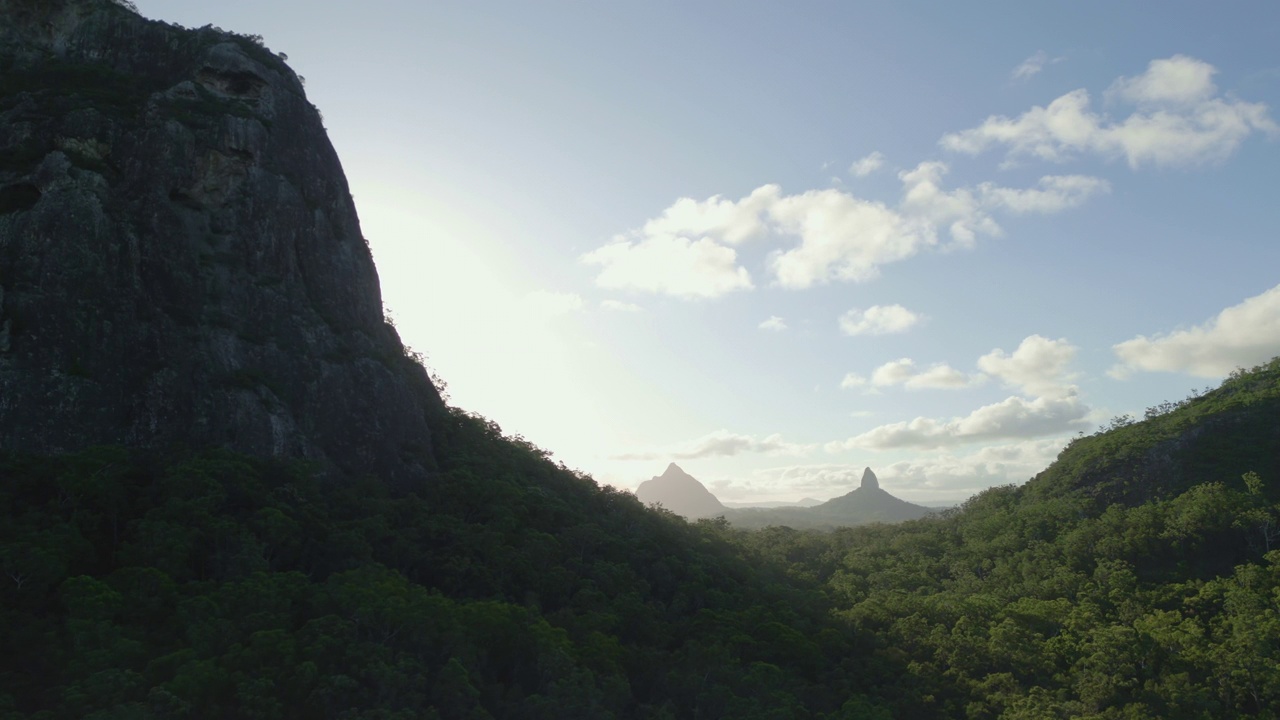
pixel 1137 577
pixel 214 585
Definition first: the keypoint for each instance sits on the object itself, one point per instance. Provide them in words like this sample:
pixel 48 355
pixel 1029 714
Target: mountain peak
pixel 680 493
pixel 869 480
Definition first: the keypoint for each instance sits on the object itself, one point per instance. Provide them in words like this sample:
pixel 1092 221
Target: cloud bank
pixel 1240 336
pixel 722 443
pixel 820 236
pixel 1039 367
pixel 1013 417
pixel 903 372
pixel 1178 118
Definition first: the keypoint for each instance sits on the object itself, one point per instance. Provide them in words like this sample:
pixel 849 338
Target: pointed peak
pixel 674 471
pixel 869 480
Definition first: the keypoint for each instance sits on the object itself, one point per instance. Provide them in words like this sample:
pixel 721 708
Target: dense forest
pixel 1137 577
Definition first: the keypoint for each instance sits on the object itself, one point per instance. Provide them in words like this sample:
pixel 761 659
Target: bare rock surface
pixel 180 258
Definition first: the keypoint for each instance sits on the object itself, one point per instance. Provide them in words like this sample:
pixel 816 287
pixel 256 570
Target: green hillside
pixel 1224 432
pixel 212 585
pixel 1137 577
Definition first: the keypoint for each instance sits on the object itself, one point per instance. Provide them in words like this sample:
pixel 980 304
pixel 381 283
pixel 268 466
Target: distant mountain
pixel 867 503
pixel 870 503
pixel 679 492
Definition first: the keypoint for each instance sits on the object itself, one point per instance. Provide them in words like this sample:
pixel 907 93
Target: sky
pixel 777 243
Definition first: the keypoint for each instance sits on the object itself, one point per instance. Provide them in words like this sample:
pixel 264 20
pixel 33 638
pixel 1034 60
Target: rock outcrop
pixel 681 493
pixel 867 503
pixel 180 258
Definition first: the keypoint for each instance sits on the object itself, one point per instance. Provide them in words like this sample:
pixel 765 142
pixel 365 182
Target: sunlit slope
pixel 1218 435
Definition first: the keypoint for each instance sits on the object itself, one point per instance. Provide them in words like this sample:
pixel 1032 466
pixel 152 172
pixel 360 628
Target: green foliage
pixel 1225 432
pixel 1135 578
pixel 508 586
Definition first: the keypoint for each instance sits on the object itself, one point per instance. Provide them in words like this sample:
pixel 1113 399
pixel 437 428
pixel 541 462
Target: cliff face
pixel 180 257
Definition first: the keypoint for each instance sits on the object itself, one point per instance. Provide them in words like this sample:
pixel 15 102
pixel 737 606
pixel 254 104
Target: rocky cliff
pixel 180 258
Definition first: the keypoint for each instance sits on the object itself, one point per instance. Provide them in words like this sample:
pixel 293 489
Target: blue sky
pixel 777 243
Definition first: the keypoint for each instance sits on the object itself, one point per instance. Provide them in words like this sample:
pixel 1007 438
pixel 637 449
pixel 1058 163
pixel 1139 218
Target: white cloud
pixel 960 211
pixel 1013 417
pixel 1055 194
pixel 619 306
pixel 1243 335
pixel 1039 366
pixel 671 265
pixel 878 320
pixel 852 380
pixel 867 165
pixel 833 235
pixel 970 473
pixel 774 323
pixel 1179 119
pixel 722 220
pixel 722 443
pixel 1179 80
pixel 842 237
pixel 1032 65
pixel 938 376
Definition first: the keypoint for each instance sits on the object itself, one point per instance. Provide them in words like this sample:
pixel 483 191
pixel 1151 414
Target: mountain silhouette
pixel 868 503
pixel 679 492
